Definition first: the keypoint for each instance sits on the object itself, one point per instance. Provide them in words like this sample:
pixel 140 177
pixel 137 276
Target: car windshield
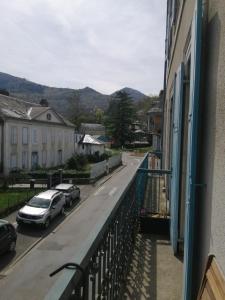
pixel 39 202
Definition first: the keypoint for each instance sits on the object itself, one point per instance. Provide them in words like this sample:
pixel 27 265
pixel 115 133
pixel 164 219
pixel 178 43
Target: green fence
pixel 11 199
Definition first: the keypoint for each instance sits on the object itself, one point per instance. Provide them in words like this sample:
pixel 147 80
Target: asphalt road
pixel 29 235
pixel 28 277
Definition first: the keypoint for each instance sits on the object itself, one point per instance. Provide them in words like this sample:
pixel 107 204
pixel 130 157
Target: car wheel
pixel 62 212
pixel 47 223
pixel 12 246
pixel 78 197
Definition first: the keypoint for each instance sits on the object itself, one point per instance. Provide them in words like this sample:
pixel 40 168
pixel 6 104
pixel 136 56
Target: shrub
pixel 77 162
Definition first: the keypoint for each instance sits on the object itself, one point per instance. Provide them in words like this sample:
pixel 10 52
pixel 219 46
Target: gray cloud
pixel 104 44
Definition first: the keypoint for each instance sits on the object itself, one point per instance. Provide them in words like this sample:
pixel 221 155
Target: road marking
pixel 99 190
pixel 113 191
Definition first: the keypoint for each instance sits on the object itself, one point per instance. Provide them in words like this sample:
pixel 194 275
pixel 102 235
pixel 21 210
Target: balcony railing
pixel 104 268
pixel 156 201
pixel 103 271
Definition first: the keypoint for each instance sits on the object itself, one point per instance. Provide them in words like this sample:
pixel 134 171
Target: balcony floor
pixel 155 273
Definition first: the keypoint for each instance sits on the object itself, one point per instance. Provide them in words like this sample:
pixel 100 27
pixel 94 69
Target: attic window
pixel 49 117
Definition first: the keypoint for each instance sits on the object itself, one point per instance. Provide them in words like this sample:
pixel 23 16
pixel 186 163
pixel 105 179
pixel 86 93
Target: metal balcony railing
pixel 156 202
pixel 103 270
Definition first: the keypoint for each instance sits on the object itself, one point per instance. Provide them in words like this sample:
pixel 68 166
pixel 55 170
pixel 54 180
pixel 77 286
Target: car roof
pixel 64 186
pixel 47 194
pixel 3 222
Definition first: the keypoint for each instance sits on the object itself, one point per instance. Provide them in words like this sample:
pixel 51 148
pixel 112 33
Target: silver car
pixel 42 208
pixel 70 191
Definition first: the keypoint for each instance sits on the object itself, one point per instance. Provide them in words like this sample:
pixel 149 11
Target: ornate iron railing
pixel 104 268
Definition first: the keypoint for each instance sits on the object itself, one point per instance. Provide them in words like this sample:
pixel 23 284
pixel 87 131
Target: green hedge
pixel 76 174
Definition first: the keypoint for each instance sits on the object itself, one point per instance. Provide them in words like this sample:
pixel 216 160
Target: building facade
pixel 194 126
pixel 32 136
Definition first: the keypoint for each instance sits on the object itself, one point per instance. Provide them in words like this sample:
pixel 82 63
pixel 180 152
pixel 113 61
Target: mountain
pixel 62 99
pixel 134 94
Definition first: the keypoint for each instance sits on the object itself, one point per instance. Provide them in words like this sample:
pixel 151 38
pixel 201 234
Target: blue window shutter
pixel 176 157
pixel 192 147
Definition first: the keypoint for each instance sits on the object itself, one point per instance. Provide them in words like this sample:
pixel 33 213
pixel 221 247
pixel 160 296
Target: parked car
pixel 8 237
pixel 70 191
pixel 42 208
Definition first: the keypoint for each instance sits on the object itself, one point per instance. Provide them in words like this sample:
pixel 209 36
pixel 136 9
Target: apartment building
pixel 194 139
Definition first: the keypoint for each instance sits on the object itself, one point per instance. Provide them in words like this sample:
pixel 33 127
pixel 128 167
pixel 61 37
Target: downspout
pixel 164 99
pixel 2 145
pixel 164 93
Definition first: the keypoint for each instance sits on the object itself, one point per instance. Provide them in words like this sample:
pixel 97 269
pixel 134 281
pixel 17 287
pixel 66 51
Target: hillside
pixel 60 98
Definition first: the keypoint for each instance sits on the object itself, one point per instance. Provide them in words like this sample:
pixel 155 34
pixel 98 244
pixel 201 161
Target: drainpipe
pixel 164 94
pixel 163 115
pixel 2 146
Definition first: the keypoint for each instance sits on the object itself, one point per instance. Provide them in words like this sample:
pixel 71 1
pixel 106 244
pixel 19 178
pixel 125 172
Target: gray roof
pixel 19 109
pixel 88 139
pixel 155 110
pixel 92 126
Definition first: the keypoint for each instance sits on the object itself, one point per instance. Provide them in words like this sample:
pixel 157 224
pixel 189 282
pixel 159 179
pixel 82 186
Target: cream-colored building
pixel 194 139
pixel 32 136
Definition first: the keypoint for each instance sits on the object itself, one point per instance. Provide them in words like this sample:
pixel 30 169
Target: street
pixel 68 241
pixel 30 235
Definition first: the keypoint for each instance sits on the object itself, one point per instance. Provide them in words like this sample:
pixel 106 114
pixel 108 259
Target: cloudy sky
pixel 103 44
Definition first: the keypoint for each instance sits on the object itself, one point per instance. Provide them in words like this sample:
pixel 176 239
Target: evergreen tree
pixel 120 116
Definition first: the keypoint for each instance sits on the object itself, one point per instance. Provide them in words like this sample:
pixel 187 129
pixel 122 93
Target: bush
pixel 77 162
pixel 75 174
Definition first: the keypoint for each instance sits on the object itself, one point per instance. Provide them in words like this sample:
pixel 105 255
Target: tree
pixel 4 92
pixel 44 102
pixel 120 116
pixel 99 114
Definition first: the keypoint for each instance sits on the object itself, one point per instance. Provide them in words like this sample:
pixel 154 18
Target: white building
pixel 87 144
pixel 32 135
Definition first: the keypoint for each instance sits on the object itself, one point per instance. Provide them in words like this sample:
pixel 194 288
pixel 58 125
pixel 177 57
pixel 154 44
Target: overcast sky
pixel 103 44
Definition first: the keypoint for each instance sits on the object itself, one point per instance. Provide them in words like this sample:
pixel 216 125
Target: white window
pixel 24 160
pixel 25 136
pixel 13 161
pixel 52 158
pixel 52 136
pixel 44 158
pixel 14 135
pixel 59 157
pixel 34 136
pixel 44 136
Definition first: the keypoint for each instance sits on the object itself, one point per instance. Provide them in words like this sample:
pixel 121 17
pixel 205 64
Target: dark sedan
pixel 8 237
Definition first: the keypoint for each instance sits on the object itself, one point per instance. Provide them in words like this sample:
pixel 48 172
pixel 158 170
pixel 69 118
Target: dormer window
pixel 49 117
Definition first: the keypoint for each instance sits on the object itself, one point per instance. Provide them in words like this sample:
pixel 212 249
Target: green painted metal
pixel 151 171
pixel 141 180
pixel 196 36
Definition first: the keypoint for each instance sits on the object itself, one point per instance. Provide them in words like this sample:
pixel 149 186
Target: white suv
pixel 42 208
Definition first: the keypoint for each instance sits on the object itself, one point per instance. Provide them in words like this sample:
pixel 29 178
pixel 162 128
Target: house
pixel 92 129
pixel 89 145
pixel 105 139
pixel 32 136
pixel 194 139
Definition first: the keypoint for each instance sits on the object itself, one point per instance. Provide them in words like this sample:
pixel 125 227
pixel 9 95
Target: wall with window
pixel 23 138
pixel 209 227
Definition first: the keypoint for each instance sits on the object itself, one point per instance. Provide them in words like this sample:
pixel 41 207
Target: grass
pixel 12 198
